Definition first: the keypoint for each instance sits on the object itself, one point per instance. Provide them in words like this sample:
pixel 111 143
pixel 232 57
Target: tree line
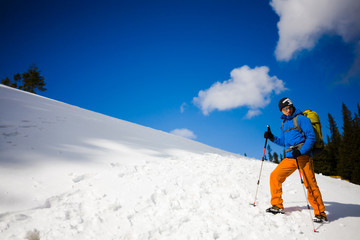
pixel 341 155
pixel 28 81
pixel 275 158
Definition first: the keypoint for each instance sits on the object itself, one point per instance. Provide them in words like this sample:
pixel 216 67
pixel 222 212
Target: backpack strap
pixel 296 125
pixel 298 128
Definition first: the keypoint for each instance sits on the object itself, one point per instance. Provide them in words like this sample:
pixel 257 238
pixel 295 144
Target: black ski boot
pixel 275 210
pixel 320 218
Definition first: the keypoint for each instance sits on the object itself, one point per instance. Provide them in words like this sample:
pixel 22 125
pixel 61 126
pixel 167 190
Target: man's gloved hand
pixel 269 135
pixel 296 153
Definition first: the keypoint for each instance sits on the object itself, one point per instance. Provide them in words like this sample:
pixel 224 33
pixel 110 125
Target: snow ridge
pixel 69 173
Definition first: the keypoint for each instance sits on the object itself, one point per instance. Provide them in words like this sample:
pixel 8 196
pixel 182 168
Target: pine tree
pixel 6 81
pixel 271 158
pixel 32 80
pixel 333 145
pixel 14 84
pixel 356 150
pixel 276 158
pixel 346 149
pixel 17 80
pixel 341 153
pixel 29 81
pixel 320 163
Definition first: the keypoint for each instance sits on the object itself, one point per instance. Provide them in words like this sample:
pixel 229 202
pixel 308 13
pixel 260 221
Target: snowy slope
pixel 69 173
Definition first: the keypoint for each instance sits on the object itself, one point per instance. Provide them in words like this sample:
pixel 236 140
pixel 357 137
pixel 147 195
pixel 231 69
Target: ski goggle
pixel 286 108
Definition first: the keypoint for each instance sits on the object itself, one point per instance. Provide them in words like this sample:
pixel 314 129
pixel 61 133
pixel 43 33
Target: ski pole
pixel 311 191
pixel 262 162
pixel 302 183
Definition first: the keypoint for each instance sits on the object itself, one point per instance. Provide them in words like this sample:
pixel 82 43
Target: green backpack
pixel 318 146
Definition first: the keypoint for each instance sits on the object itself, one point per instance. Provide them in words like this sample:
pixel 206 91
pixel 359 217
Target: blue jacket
pixel 294 137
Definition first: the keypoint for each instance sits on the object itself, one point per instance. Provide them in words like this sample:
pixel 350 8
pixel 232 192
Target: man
pixel 298 146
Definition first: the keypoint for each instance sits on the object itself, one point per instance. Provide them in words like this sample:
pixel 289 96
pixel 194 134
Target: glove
pixel 269 135
pixel 296 153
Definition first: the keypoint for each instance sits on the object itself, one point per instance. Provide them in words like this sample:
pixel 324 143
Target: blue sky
pixel 214 68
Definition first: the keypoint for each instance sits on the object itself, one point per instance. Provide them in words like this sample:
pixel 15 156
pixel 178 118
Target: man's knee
pixel 274 176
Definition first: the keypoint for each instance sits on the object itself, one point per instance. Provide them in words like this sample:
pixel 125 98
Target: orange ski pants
pixel 285 168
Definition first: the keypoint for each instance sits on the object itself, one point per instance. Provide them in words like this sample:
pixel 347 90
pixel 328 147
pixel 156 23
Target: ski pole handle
pixel 268 130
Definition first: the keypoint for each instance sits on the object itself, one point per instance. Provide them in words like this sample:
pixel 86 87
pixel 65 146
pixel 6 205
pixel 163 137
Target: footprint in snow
pixel 21 217
pixel 79 178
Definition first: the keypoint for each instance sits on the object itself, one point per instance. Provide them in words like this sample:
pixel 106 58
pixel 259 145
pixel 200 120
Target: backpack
pixel 318 146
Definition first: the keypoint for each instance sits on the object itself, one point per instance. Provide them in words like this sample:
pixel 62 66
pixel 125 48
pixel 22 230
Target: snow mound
pixel 69 173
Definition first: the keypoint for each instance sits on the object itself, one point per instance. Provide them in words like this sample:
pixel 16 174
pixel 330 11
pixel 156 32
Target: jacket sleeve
pixel 279 140
pixel 310 137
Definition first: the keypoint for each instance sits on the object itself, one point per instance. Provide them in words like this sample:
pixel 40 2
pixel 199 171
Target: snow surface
pixel 69 173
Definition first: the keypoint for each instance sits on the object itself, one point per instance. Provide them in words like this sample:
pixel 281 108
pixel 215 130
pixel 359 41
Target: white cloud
pixel 247 87
pixel 183 132
pixel 252 113
pixel 182 107
pixel 303 22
